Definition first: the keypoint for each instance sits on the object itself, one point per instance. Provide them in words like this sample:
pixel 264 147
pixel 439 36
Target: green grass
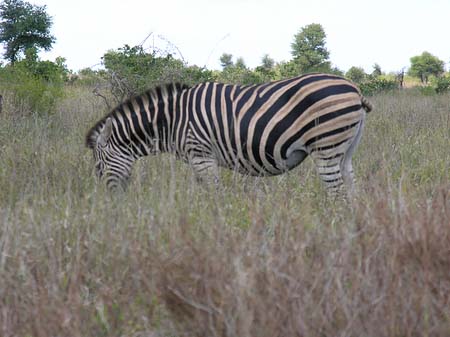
pixel 257 257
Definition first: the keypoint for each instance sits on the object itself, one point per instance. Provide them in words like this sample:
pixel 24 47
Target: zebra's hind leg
pixel 346 164
pixel 329 170
pixel 334 163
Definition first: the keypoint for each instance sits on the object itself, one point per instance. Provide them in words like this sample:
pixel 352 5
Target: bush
pixel 87 77
pixel 239 75
pixel 377 85
pixel 442 84
pixel 356 74
pixel 32 85
pixel 132 70
pixel 437 85
pixel 427 90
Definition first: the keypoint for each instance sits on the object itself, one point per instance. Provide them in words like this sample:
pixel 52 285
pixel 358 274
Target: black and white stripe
pixel 262 129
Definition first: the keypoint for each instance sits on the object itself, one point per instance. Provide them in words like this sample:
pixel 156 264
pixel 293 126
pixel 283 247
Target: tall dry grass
pixel 257 257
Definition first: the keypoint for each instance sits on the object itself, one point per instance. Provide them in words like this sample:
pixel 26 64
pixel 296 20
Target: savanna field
pixel 255 257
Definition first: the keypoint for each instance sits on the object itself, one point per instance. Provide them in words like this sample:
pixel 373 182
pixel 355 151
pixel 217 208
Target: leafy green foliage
pixel 266 71
pixel 237 72
pixel 132 70
pixel 374 83
pixel 226 60
pixel 377 85
pixel 137 69
pixel 195 74
pixel 425 65
pixel 308 49
pixel 376 70
pixel 267 63
pixel 356 74
pixel 442 84
pixel 24 26
pixel 34 85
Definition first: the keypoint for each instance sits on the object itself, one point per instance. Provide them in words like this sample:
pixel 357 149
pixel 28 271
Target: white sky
pixel 359 33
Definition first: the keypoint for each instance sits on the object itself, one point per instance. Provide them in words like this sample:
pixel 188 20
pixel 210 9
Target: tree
pixel 356 74
pixel 425 65
pixel 240 63
pixel 376 70
pixel 266 71
pixel 24 26
pixel 308 49
pixel 226 60
pixel 267 63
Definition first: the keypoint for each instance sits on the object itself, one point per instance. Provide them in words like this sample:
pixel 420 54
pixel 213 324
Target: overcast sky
pixel 359 32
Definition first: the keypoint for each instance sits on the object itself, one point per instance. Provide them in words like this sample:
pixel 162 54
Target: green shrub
pixel 427 90
pixel 132 70
pixel 34 86
pixel 442 84
pixel 356 74
pixel 87 77
pixel 377 85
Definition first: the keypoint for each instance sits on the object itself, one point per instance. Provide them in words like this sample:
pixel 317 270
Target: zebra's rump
pixel 282 121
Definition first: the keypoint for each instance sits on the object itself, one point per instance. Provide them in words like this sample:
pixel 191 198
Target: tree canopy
pixel 24 26
pixel 356 74
pixel 308 49
pixel 226 60
pixel 425 65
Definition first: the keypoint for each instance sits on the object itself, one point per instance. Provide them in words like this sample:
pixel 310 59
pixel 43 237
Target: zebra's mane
pixel 167 89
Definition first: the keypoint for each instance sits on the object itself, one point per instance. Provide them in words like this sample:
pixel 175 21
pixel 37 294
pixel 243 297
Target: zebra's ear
pixel 105 132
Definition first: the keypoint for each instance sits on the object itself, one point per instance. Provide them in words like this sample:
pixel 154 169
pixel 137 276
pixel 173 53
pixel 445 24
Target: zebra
pixel 261 130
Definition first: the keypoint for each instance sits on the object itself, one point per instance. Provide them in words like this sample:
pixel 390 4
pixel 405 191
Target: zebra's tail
pixel 366 104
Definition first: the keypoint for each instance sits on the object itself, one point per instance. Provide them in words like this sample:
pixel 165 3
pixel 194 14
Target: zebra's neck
pixel 145 123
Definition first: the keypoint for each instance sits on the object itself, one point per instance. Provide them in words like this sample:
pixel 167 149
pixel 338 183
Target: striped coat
pixel 262 129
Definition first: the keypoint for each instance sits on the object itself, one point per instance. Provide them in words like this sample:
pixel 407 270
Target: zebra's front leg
pixel 206 170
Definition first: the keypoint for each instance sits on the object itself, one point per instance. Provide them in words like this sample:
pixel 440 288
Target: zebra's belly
pixel 295 158
pixel 248 167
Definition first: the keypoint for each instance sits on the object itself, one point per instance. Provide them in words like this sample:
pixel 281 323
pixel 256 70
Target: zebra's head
pixel 112 163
